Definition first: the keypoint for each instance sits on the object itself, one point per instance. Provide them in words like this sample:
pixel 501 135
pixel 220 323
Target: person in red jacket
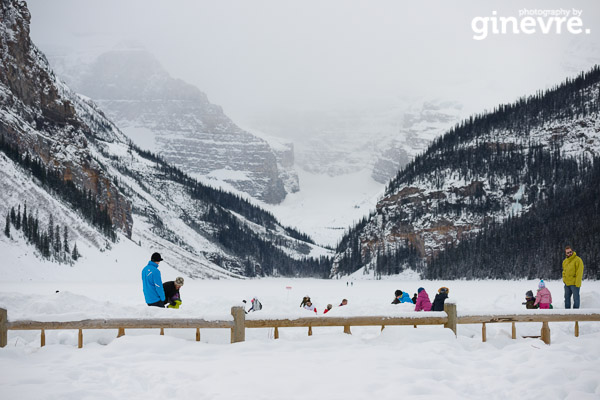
pixel 329 307
pixel 423 302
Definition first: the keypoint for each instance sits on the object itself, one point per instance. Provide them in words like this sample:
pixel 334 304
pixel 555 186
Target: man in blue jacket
pixel 153 287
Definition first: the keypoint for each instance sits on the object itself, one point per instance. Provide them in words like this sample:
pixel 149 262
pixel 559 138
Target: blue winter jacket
pixel 405 298
pixel 153 288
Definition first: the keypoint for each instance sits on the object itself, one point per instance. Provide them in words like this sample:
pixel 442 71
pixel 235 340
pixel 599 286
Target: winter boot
pixel 177 304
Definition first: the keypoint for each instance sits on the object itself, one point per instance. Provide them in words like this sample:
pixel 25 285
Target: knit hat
pixel 542 284
pixel 443 290
pixel 156 257
pixel 179 281
pixel 529 294
pixel 398 293
pixel 420 289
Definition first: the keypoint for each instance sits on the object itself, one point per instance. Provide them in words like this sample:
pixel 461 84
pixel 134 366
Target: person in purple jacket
pixel 423 302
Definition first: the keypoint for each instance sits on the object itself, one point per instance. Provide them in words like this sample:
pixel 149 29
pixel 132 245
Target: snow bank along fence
pixel 239 323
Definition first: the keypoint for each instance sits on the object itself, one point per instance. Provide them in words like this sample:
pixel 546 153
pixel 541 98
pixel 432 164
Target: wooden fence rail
pixel 554 316
pixel 238 325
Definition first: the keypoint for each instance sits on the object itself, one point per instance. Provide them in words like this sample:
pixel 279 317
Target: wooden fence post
pixel 310 330
pixel 450 309
pixel 576 328
pixel 80 339
pixel 514 330
pixel 483 333
pixel 347 329
pixel 197 334
pixel 545 332
pixel 43 338
pixel 238 332
pixel 121 332
pixel 276 333
pixel 3 327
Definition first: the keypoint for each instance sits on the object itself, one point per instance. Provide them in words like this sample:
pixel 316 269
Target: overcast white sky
pixel 257 57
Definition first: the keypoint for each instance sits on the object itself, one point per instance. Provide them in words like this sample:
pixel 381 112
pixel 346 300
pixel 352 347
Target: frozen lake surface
pixel 426 362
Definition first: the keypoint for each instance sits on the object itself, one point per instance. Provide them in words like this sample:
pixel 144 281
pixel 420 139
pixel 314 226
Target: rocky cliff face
pixel 175 120
pixel 36 116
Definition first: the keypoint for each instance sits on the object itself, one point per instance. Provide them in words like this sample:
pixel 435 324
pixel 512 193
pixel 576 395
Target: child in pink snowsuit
pixel 423 302
pixel 543 296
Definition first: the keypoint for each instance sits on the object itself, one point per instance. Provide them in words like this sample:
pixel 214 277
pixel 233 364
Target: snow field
pixel 424 363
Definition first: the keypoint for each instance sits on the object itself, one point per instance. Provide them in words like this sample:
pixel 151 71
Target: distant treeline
pixel 532 245
pixel 574 98
pixel 53 182
pixel 50 243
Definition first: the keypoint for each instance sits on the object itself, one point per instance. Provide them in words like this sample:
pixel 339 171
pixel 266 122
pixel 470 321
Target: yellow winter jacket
pixel 572 270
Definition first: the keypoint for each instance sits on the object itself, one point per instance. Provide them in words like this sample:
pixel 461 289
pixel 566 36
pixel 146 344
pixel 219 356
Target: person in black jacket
pixel 172 292
pixel 530 300
pixel 440 298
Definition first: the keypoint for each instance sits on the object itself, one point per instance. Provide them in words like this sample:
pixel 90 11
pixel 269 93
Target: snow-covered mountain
pixel 62 156
pixel 421 124
pixel 176 120
pixel 380 140
pixel 491 167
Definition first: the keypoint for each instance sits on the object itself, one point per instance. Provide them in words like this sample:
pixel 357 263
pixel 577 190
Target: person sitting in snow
pixel 543 298
pixel 305 300
pixel 440 298
pixel 329 307
pixel 255 305
pixel 401 297
pixel 529 300
pixel 310 307
pixel 423 302
pixel 414 298
pixel 171 288
pixel 343 303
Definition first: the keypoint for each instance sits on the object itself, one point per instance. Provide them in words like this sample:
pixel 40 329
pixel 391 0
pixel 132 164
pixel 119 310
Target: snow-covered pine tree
pixel 24 222
pixel 57 243
pixel 66 241
pixel 18 221
pixel 75 254
pixel 51 230
pixel 7 226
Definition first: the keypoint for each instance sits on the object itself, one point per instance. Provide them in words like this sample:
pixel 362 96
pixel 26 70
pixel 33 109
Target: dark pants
pixel 571 290
pixel 161 304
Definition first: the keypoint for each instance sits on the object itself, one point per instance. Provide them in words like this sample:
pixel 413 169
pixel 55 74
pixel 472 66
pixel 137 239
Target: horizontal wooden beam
pixel 341 321
pixel 119 323
pixel 490 319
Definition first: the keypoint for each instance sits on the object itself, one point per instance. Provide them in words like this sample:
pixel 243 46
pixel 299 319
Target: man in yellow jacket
pixel 572 273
